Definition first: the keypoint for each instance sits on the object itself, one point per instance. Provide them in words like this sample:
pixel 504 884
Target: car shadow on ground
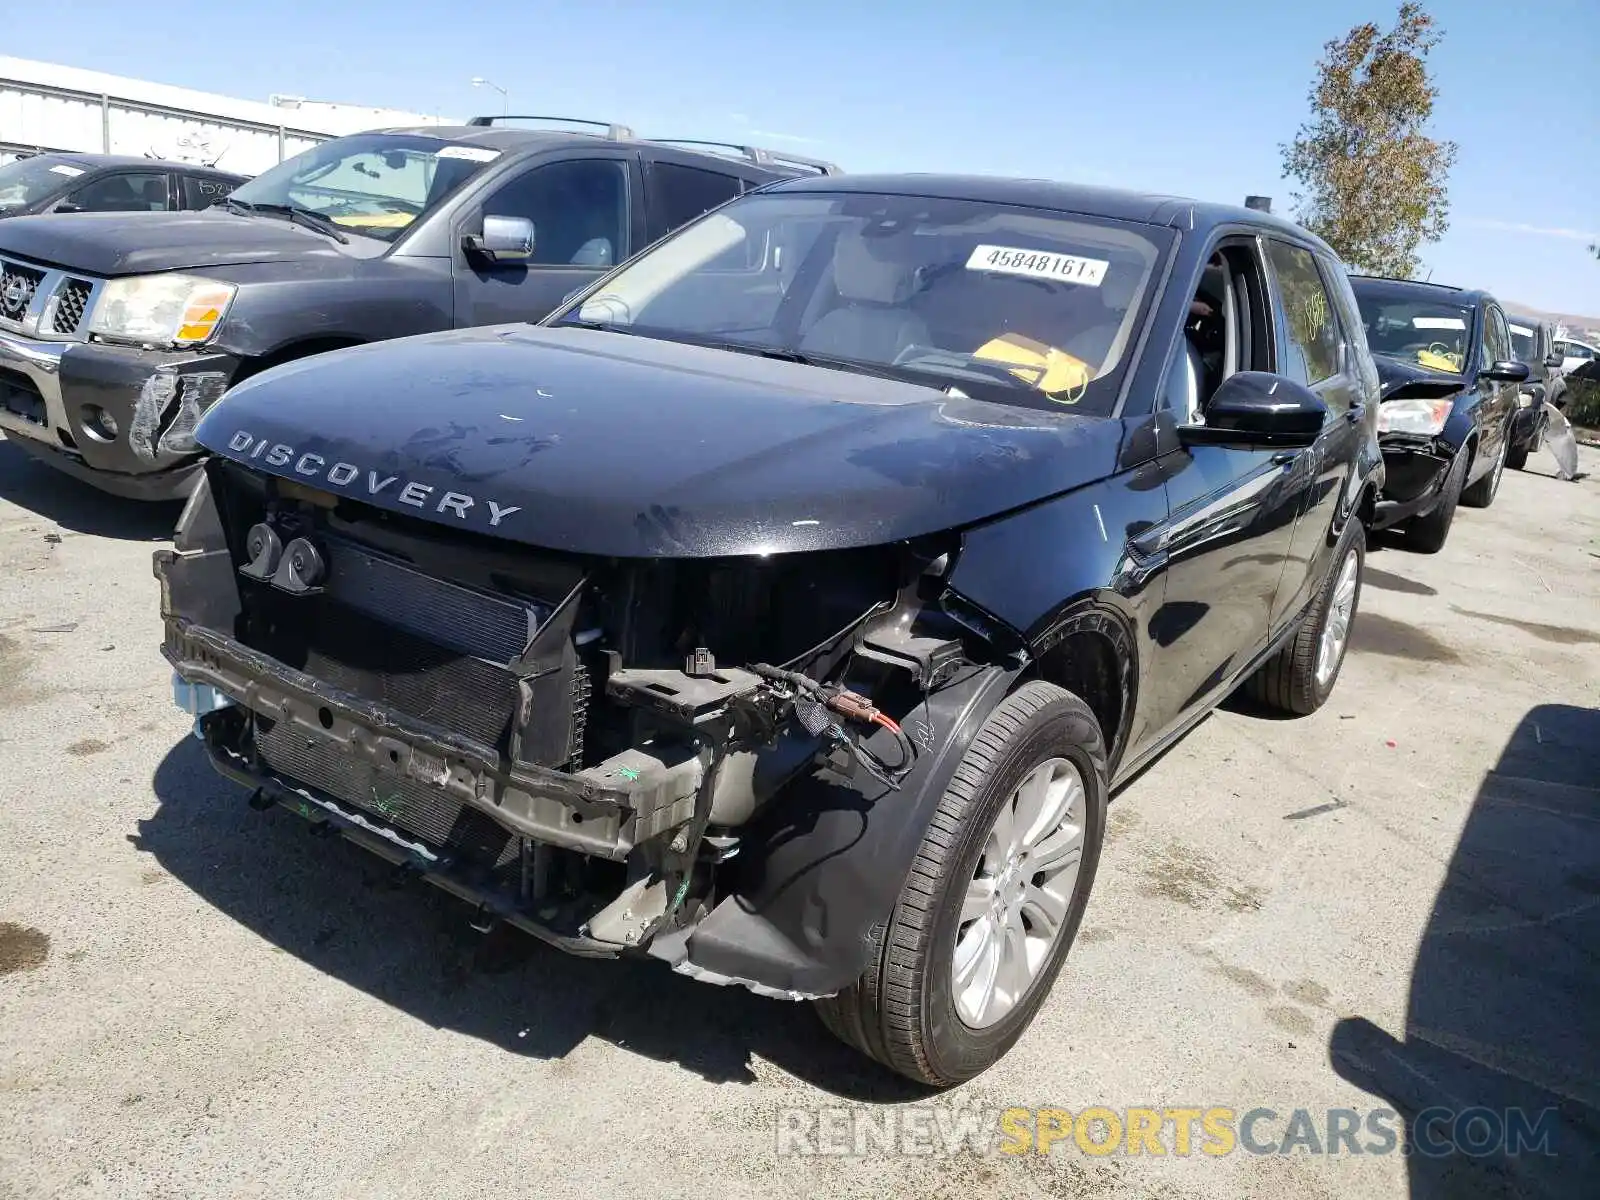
pixel 1506 984
pixel 341 910
pixel 71 504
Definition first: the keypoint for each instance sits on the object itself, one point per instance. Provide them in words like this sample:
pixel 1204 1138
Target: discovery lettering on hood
pixel 353 480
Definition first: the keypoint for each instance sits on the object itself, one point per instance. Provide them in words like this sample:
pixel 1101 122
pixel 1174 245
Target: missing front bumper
pixel 607 810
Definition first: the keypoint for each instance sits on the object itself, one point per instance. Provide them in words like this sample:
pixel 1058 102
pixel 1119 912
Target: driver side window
pixel 578 208
pixel 1225 331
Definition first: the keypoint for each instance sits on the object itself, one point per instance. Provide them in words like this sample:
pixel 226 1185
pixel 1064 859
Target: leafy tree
pixel 1374 182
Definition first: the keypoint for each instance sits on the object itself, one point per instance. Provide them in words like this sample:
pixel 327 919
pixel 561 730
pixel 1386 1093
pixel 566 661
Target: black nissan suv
pixel 118 330
pixel 786 605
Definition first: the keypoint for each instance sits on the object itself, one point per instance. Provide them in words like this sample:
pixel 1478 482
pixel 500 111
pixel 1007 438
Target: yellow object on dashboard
pixel 1435 361
pixel 1054 372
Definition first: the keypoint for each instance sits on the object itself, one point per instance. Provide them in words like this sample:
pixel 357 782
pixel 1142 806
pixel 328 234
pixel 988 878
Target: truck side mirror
pixel 504 239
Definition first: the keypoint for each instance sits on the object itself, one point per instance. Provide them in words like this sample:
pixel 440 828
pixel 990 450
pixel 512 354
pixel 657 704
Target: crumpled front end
pixel 578 746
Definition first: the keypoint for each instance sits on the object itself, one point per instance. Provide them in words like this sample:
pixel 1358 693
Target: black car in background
pixel 785 607
pixel 1451 383
pixel 117 332
pixel 1534 342
pixel 99 183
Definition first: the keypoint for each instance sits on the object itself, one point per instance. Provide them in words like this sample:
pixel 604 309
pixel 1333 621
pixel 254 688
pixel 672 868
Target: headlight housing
pixel 1426 417
pixel 162 310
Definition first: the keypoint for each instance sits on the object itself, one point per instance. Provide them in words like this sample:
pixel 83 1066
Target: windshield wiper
pixel 310 218
pixel 237 205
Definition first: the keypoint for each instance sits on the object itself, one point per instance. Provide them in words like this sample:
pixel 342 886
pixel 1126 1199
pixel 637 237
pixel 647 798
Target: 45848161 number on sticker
pixel 1038 264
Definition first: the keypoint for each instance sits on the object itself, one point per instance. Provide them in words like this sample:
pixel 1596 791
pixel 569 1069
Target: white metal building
pixel 48 107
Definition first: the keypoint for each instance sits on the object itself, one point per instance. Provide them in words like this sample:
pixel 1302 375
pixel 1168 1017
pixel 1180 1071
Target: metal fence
pixel 35 116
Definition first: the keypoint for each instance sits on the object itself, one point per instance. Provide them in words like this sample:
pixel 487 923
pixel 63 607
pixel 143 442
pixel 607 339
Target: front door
pixel 1497 400
pixel 582 223
pixel 1232 508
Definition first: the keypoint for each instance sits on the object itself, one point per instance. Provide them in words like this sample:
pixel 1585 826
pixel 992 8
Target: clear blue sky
pixel 1182 97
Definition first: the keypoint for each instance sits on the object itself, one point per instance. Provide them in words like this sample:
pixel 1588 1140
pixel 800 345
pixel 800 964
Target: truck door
pixel 586 219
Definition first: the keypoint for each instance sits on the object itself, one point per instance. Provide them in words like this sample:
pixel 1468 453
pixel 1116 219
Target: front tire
pixel 1299 678
pixel 993 899
pixel 1482 493
pixel 1426 534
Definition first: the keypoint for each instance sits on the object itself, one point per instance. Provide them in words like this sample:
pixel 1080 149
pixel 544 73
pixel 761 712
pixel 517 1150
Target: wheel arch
pixel 1092 653
pixel 289 351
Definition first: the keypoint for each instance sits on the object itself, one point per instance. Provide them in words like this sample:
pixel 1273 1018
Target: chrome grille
pixel 17 287
pixel 45 302
pixel 72 300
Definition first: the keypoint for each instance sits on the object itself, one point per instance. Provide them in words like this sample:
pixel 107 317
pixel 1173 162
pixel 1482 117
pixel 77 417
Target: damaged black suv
pixel 786 605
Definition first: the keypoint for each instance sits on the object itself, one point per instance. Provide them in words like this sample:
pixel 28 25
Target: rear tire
pixel 1517 457
pixel 910 1009
pixel 1426 534
pixel 1299 678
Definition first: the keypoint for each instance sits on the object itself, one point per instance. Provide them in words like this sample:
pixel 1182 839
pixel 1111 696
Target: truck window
pixel 129 191
pixel 202 191
pixel 578 208
pixel 683 193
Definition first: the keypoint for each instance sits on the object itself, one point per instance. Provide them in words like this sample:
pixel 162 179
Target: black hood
pixel 1401 380
pixel 109 244
pixel 609 444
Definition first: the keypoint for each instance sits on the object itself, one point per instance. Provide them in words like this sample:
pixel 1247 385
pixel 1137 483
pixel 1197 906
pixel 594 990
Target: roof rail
pixel 613 131
pixel 759 155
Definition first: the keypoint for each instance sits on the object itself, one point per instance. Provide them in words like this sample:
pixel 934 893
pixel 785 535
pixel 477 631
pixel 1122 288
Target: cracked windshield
pixel 983 301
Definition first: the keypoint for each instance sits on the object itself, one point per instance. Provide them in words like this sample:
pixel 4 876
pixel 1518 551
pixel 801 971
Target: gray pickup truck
pixel 118 330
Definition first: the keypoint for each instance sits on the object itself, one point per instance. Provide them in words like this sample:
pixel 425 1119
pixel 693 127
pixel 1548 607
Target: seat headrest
pixel 862 276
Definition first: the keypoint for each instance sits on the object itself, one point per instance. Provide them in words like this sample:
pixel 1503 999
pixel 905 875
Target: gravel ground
pixel 1391 904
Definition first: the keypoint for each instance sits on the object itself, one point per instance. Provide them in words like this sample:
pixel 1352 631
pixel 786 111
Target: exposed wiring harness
pixel 819 708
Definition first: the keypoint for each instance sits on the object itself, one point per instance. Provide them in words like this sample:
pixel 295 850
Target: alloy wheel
pixel 1018 898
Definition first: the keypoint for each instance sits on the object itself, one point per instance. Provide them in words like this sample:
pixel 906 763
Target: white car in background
pixel 1575 354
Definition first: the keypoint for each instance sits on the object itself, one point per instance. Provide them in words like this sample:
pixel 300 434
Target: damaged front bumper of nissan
pixel 546 736
pixel 117 417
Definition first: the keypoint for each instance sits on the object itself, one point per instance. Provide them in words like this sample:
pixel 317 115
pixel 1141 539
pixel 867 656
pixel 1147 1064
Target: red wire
pixel 887 722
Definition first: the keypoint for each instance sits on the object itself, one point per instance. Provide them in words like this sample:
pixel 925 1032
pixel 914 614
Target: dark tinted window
pixel 683 193
pixel 202 191
pixel 1312 353
pixel 128 191
pixel 579 211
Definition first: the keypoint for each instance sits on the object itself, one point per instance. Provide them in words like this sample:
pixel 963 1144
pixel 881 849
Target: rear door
pixel 587 218
pixel 202 191
pixel 676 192
pixel 1316 350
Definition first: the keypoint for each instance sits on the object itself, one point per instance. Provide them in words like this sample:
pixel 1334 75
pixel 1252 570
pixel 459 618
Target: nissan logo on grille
pixel 14 298
pixel 353 480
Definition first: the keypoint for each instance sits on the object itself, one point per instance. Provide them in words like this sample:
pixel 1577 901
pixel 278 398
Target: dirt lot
pixel 1393 904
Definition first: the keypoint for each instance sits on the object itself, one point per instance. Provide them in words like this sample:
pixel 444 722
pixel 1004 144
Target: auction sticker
pixel 69 172
pixel 1039 264
pixel 479 154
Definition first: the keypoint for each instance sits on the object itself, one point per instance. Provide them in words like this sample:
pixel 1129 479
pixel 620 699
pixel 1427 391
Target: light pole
pixel 505 100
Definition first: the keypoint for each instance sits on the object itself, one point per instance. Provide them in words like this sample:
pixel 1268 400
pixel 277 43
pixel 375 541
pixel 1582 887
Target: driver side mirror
pixel 1554 361
pixel 504 239
pixel 1505 370
pixel 1255 408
